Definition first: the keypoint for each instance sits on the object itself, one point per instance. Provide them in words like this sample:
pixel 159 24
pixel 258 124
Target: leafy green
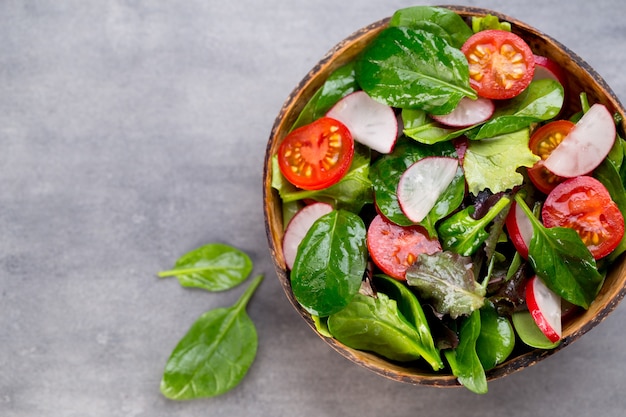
pixel 492 163
pixel 496 339
pixel 339 83
pixel 215 354
pixel 562 260
pixel 374 324
pixel 447 279
pixel 385 174
pixel 541 100
pixel 412 68
pixel 609 176
pixel 418 126
pixel 213 267
pixel 463 234
pixel 464 360
pixel 411 309
pixel 330 263
pixel 351 193
pixel 443 22
pixel 528 331
pixel 488 22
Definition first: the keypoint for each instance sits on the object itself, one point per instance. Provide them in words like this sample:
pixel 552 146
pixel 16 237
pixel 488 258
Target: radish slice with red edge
pixel 547 68
pixel 467 113
pixel 520 229
pixel 586 145
pixel 298 226
pixel 422 183
pixel 371 123
pixel 545 308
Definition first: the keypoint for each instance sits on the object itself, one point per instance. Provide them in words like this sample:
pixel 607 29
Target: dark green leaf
pixel 496 339
pixel 215 354
pixel 412 68
pixel 609 176
pixel 213 267
pixel 447 279
pixel 330 263
pixel 375 325
pixel 464 360
pixel 443 22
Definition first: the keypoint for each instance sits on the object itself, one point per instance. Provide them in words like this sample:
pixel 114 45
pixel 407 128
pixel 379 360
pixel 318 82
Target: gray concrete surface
pixel 133 131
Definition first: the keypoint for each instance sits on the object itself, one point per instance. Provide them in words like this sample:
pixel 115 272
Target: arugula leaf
pixel 562 260
pixel 492 163
pixel 215 354
pixel 412 68
pixel 213 267
pixel 463 234
pixel 330 263
pixel 447 279
pixel 464 360
pixel 339 84
pixel 438 20
pixel 541 100
pixel 375 324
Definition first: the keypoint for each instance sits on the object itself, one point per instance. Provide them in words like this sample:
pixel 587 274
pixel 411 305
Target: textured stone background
pixel 134 131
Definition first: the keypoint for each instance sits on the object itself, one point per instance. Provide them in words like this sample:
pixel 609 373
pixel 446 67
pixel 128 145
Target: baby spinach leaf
pixel 562 260
pixel 351 193
pixel 418 126
pixel 385 174
pixel 609 176
pixel 339 83
pixel 411 309
pixel 412 68
pixel 438 20
pixel 464 360
pixel 496 339
pixel 492 163
pixel 215 354
pixel 447 279
pixel 330 263
pixel 463 234
pixel 213 267
pixel 542 100
pixel 375 325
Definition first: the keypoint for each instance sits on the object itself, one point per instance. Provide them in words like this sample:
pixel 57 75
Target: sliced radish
pixel 422 183
pixel 544 307
pixel 520 229
pixel 586 145
pixel 298 226
pixel 371 123
pixel 467 113
pixel 547 68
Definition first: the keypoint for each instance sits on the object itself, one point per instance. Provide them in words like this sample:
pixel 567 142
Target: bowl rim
pixel 378 365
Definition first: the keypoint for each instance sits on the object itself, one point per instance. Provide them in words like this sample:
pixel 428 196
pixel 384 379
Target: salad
pixel 439 207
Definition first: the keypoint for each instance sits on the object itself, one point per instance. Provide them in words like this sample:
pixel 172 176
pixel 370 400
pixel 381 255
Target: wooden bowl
pixel 580 77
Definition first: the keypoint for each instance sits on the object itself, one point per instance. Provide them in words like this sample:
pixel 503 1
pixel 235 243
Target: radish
pixel 547 68
pixel 467 113
pixel 422 183
pixel 371 123
pixel 586 145
pixel 520 229
pixel 545 308
pixel 298 226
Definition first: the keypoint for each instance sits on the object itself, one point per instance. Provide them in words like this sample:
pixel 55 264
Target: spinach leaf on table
pixel 215 354
pixel 213 267
pixel 330 263
pixel 412 68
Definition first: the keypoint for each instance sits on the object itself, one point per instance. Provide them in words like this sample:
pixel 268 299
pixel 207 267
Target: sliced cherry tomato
pixel 584 204
pixel 501 64
pixel 394 248
pixel 542 143
pixel 316 155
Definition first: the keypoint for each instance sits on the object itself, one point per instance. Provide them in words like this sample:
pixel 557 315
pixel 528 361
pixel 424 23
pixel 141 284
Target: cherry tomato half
pixel 394 248
pixel 316 155
pixel 584 204
pixel 542 143
pixel 501 64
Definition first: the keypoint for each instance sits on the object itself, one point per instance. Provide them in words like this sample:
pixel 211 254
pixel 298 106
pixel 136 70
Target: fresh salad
pixel 439 204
